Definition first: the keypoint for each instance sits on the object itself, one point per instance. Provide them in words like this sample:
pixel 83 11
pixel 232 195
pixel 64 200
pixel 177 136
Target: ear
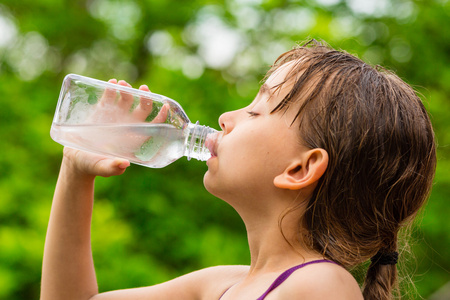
pixel 303 172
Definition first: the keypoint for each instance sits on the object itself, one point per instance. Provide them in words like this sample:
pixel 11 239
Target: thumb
pixel 111 167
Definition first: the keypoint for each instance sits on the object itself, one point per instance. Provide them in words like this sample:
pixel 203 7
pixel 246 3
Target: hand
pixel 109 110
pixel 89 164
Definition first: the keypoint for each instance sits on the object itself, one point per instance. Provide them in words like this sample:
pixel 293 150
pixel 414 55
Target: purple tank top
pixel 285 275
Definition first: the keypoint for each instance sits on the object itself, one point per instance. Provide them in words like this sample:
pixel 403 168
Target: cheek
pixel 237 168
pixel 244 152
pixel 248 161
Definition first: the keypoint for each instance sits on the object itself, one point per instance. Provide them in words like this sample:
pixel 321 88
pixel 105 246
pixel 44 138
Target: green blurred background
pixel 153 224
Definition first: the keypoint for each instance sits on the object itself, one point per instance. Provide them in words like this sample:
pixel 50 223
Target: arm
pixel 68 270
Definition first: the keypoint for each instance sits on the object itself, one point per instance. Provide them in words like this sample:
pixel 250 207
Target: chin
pixel 207 182
pixel 214 185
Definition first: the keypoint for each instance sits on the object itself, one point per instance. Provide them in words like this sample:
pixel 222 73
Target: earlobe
pixel 303 172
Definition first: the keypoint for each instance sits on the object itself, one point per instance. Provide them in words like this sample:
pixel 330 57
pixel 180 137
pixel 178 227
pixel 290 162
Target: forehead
pixel 282 75
pixel 290 85
pixel 280 84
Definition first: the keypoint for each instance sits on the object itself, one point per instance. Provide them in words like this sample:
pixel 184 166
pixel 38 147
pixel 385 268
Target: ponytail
pixel 381 278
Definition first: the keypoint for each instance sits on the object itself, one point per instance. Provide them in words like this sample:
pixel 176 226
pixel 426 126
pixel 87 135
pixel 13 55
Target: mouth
pixel 212 141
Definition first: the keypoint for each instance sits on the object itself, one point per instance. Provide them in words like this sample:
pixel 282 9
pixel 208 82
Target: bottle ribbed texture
pixel 195 144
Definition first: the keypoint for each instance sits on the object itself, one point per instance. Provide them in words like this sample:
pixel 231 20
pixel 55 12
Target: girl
pixel 325 166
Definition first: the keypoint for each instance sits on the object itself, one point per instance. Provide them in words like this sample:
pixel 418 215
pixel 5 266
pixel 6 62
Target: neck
pixel 275 246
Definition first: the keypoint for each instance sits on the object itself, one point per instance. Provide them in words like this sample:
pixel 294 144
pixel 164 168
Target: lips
pixel 212 142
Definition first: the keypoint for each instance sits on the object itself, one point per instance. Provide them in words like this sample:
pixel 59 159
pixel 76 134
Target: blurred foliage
pixel 209 55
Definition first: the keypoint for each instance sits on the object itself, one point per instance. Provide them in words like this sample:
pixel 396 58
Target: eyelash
pixel 252 114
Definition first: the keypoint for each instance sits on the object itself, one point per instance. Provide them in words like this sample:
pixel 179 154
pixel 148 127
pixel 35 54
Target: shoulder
pixel 217 279
pixel 320 281
pixel 207 283
pixel 223 272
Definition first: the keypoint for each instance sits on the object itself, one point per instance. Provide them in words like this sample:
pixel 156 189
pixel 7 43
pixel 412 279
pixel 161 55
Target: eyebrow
pixel 264 89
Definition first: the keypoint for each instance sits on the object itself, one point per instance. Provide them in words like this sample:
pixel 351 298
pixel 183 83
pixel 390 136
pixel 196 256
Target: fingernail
pixel 123 164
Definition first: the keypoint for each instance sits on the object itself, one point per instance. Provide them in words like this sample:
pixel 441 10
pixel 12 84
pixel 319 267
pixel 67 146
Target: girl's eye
pixel 252 114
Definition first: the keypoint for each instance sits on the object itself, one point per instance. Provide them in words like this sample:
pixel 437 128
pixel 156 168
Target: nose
pixel 226 122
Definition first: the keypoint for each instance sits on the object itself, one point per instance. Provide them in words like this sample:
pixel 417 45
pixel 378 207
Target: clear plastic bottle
pixel 146 128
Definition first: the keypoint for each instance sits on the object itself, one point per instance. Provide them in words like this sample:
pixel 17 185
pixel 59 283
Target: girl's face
pixel 255 146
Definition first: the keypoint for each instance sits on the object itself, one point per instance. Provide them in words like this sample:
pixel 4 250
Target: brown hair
pixel 382 157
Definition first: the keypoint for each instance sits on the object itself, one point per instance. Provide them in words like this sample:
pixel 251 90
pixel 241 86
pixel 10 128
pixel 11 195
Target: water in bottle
pixel 110 119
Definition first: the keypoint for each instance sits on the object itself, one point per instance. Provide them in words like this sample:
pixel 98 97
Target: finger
pixel 111 167
pixel 126 99
pixel 144 88
pixel 109 96
pixel 162 115
pixel 145 106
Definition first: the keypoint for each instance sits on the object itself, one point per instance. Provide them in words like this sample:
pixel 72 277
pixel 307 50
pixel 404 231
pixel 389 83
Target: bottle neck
pixel 195 141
